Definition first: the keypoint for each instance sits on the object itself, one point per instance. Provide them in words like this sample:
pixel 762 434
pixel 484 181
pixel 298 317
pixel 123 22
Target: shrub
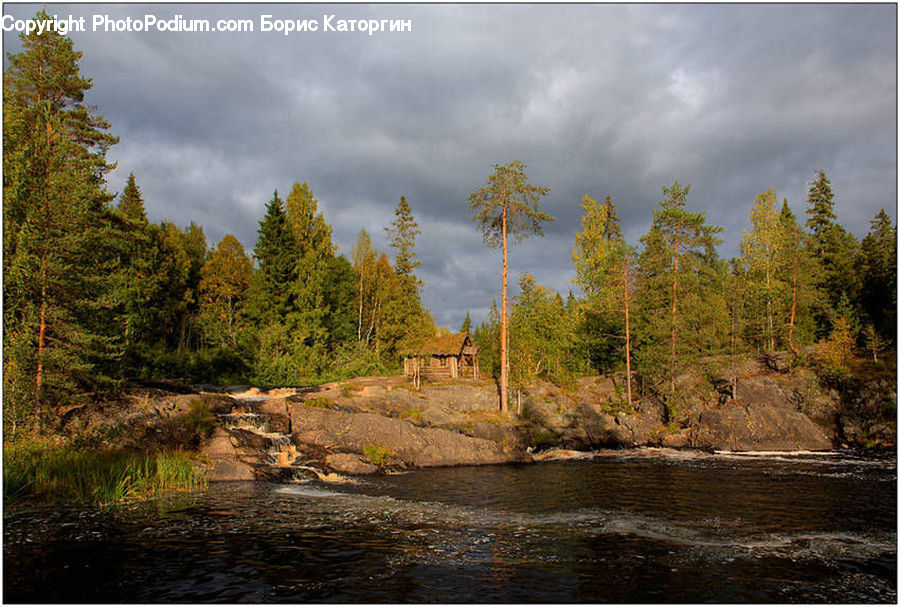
pixel 319 402
pixel 377 454
pixel 413 414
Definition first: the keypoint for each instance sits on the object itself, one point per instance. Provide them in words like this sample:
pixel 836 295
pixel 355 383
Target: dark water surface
pixel 643 526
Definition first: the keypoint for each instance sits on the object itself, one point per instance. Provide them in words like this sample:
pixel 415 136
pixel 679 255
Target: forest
pixel 96 294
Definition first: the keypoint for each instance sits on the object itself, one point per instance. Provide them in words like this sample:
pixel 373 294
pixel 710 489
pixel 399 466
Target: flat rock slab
pixel 739 427
pixel 353 432
pixel 349 463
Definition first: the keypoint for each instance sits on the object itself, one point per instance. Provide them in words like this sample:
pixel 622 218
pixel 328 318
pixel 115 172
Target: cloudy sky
pixel 596 99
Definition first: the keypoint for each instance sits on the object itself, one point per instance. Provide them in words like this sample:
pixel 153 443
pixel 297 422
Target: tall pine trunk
pixel 627 335
pixel 793 301
pixel 504 342
pixel 674 314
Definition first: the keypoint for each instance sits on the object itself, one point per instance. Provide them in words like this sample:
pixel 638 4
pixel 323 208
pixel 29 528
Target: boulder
pixel 349 463
pixel 750 427
pixel 277 415
pixel 353 432
pixel 224 464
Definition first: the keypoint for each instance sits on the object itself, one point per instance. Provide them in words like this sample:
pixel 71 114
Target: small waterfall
pixel 281 455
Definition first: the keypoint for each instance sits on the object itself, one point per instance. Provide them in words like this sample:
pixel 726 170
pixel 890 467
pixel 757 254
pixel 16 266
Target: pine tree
pixel 340 303
pixel 507 206
pixel 55 207
pixel 682 301
pixel 312 241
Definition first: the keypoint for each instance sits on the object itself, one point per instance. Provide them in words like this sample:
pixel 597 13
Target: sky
pixel 616 100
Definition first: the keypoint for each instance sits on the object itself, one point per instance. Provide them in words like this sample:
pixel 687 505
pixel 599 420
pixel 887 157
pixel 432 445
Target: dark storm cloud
pixel 597 99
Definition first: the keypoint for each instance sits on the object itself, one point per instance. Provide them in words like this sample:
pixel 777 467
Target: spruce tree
pixel 131 202
pixel 467 324
pixel 833 248
pixel 402 238
pixel 877 265
pixel 276 256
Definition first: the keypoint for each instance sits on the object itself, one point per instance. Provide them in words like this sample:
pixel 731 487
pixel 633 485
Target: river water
pixel 637 526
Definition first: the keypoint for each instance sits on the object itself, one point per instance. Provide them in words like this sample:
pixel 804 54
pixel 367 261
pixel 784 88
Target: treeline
pixel 95 293
pixel 660 306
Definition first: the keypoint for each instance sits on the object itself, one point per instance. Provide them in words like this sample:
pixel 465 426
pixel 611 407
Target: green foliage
pixel 41 470
pixel 541 336
pixel 319 402
pixel 507 192
pixel 224 284
pixel 877 267
pixel 402 238
pixel 377 454
pixel 271 296
pixel 681 310
pixel 56 262
pixel 833 248
pixel 467 324
pixel 413 414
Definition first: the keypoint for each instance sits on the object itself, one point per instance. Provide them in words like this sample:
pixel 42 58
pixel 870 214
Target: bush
pixel 377 454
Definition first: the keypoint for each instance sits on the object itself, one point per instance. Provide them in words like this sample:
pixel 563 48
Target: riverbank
pixel 382 424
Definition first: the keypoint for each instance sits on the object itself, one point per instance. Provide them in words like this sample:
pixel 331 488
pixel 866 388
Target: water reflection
pixel 625 527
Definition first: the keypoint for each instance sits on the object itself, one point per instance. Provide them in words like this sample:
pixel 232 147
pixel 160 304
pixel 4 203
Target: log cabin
pixel 443 357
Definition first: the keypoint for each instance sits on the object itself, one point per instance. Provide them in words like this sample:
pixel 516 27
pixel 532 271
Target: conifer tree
pixel 467 324
pixel 604 267
pixel 55 204
pixel 276 256
pixel 402 238
pixel 131 202
pixel 797 267
pixel 679 269
pixel 312 241
pixel 877 265
pixel 833 248
pixel 507 207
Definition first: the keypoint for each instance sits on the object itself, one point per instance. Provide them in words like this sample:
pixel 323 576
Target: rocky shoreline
pixel 381 424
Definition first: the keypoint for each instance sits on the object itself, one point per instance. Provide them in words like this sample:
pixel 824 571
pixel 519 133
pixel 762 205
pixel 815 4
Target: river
pixel 631 526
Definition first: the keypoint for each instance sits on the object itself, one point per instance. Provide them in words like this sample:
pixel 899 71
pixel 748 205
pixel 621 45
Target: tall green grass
pixel 40 470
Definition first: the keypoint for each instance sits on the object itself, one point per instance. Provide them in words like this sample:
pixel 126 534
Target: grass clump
pixel 413 414
pixel 40 470
pixel 319 402
pixel 378 454
pixel 199 419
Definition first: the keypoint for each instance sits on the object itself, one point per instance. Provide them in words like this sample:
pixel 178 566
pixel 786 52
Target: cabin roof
pixel 447 345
